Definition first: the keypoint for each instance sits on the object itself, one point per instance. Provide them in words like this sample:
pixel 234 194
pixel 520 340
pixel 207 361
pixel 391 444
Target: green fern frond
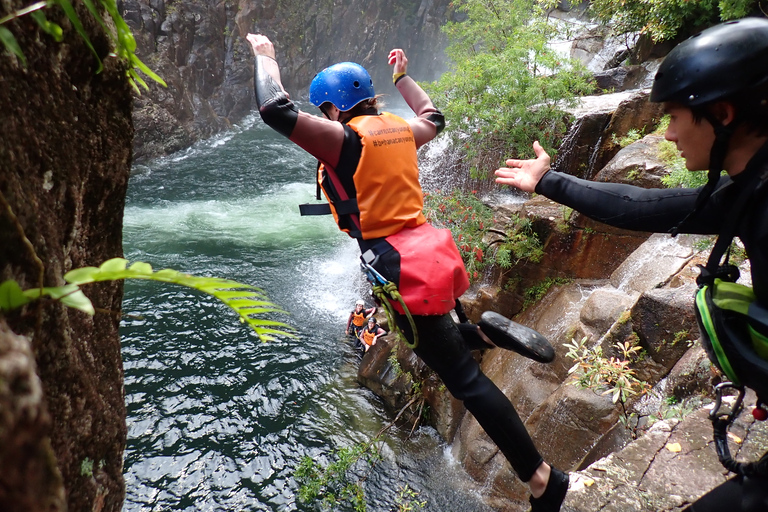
pixel 247 301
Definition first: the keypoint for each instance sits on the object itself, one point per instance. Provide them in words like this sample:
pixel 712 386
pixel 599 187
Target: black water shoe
pixel 505 333
pixel 554 494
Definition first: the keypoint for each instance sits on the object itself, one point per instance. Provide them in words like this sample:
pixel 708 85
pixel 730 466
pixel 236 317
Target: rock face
pixel 198 47
pixel 65 156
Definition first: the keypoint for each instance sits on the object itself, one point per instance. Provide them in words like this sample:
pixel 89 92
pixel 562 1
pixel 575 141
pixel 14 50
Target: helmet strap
pixel 723 134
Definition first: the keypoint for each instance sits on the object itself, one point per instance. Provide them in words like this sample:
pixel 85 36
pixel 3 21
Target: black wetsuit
pixel 660 210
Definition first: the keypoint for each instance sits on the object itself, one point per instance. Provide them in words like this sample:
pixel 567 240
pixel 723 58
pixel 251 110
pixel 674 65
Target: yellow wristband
pixel 396 76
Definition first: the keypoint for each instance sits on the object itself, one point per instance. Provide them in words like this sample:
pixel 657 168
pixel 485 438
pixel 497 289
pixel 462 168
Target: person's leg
pixel 442 348
pixel 739 494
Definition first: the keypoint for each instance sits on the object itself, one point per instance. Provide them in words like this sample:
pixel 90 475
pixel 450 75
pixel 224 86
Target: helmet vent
pixel 356 84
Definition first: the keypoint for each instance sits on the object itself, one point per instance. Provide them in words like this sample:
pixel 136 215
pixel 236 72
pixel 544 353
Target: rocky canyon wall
pixel 198 47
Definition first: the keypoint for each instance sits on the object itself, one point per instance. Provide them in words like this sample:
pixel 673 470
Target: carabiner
pixel 735 409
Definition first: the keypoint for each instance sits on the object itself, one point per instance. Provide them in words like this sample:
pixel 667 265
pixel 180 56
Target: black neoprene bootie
pixel 554 494
pixel 505 333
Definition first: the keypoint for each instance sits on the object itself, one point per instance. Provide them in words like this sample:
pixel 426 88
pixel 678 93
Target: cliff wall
pixel 198 47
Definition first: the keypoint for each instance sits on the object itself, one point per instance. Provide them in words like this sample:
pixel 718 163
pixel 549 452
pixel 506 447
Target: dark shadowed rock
pixel 600 121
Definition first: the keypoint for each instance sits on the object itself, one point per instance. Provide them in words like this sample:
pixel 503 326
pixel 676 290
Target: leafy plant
pixel 246 300
pixel 118 31
pixel 664 19
pixel 612 376
pixel 633 135
pixel 406 500
pixel 520 243
pixel 537 292
pixel 506 86
pixel 469 221
pixel 330 485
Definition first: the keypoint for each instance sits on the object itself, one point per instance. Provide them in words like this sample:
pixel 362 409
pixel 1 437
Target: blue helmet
pixel 344 85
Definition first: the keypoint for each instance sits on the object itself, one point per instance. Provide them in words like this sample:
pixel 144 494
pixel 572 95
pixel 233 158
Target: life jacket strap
pixel 347 207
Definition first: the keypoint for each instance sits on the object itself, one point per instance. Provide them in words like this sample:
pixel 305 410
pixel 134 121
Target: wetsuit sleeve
pixel 631 207
pixel 429 121
pixel 275 108
pixel 320 137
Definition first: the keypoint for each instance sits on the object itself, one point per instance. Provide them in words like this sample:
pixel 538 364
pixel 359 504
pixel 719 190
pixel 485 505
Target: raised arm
pixel 429 121
pixel 319 137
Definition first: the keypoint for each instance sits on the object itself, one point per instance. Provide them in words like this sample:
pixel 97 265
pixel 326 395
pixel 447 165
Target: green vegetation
pixel 330 485
pixel 664 19
pixel 246 300
pixel 116 28
pixel 86 467
pixel 633 135
pixel 506 87
pixel 610 376
pixel 338 481
pixel 406 500
pixel 469 220
pixel 535 293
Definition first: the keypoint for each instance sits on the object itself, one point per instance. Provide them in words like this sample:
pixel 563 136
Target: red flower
pixel 478 254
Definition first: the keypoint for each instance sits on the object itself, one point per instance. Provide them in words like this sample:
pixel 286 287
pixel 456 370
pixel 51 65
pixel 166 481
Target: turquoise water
pixel 218 420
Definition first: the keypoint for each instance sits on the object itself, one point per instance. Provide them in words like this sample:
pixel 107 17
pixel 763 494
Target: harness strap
pixel 748 195
pixel 346 207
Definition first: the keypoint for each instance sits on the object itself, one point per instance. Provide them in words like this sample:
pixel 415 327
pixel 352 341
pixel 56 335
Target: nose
pixel 670 134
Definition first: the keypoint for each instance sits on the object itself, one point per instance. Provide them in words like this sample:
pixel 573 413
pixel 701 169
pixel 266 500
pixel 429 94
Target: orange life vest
pixel 388 194
pixel 358 318
pixel 369 335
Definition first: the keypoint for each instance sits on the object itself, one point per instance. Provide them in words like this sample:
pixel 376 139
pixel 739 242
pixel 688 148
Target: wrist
pixel 397 76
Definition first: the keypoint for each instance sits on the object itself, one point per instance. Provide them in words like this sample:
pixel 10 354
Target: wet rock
pixel 660 260
pixel 692 375
pixel 198 47
pixel 600 120
pixel 603 308
pixel 666 469
pixel 663 320
pixel 637 164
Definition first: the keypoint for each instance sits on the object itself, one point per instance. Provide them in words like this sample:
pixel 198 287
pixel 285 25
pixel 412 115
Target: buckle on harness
pixel 369 257
pixel 373 276
pixel 729 416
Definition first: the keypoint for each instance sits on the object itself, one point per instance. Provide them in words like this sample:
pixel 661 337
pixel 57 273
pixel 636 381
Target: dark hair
pixel 751 109
pixel 364 106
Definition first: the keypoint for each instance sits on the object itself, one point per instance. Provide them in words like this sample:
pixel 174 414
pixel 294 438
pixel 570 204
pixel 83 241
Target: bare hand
pixel 398 59
pixel 525 174
pixel 261 45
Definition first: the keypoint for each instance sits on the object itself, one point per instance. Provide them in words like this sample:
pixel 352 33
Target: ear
pixel 724 112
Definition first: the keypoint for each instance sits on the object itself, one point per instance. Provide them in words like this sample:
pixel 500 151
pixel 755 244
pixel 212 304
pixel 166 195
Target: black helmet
pixel 714 64
pixel 722 62
pixel 372 319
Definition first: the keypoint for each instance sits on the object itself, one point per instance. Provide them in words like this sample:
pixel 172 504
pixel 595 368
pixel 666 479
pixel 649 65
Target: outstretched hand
pixel 261 45
pixel 397 58
pixel 525 174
